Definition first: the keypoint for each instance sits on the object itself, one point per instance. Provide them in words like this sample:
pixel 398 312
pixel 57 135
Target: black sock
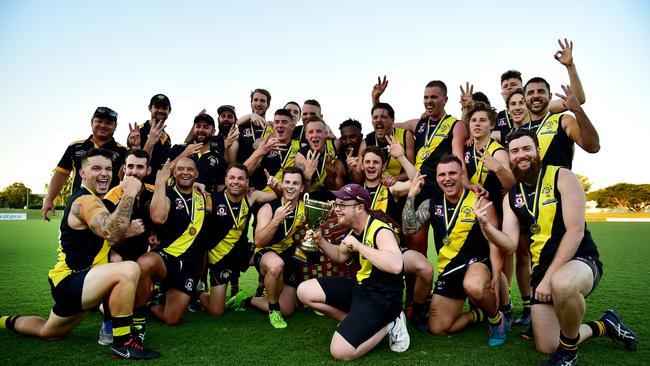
pixel 121 329
pixel 419 308
pixel 525 301
pixel 107 311
pixel 597 328
pixel 139 321
pixel 274 307
pixel 9 322
pixel 506 309
pixel 247 302
pixel 569 344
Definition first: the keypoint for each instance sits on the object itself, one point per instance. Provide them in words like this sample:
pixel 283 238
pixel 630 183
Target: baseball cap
pixel 355 192
pixel 204 117
pixel 105 112
pixel 160 100
pixel 226 107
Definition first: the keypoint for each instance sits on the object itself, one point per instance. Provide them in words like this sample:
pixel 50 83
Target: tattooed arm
pixel 412 220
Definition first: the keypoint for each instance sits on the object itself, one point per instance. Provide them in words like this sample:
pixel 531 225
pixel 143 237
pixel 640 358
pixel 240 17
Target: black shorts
pixel 131 251
pixel 368 311
pixel 292 274
pixel 228 267
pixel 450 281
pixel 594 264
pixel 67 294
pixel 181 273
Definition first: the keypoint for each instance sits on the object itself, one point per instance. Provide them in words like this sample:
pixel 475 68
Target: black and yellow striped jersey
pixel 391 165
pixel 555 147
pixel 211 164
pixel 291 229
pixel 159 153
pixel 479 174
pixel 226 227
pixel 432 141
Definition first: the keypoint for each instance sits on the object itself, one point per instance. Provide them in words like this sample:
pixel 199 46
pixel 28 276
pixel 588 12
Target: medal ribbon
pixel 535 212
pixel 541 124
pixel 237 219
pixel 478 163
pixel 429 138
pixel 185 204
pixel 293 223
pixel 449 226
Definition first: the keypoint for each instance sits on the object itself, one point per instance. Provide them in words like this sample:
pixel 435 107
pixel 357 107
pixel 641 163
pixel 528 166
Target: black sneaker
pixel 419 321
pixel 617 330
pixel 132 350
pixel 562 357
pixel 524 318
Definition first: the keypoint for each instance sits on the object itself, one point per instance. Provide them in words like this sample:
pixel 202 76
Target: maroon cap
pixel 355 192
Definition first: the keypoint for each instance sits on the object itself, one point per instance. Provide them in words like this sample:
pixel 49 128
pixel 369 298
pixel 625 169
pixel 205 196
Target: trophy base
pixel 306 257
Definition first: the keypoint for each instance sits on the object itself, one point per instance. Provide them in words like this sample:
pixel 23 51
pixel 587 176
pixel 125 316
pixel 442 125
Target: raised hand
pixel 569 100
pixel 311 163
pixel 258 120
pixel 192 149
pixel 466 96
pixel 488 160
pixel 165 171
pixel 134 135
pixel 330 166
pixel 130 185
pixel 156 131
pixel 481 210
pixel 416 184
pixel 353 162
pixel 395 148
pixel 282 212
pixel 379 88
pixel 351 243
pixel 272 181
pixel 233 135
pixel 389 180
pixel 565 54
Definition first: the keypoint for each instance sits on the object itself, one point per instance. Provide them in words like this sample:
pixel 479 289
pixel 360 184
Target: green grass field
pixel 28 250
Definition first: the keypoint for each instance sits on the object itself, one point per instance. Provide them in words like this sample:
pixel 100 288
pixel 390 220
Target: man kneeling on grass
pixel 82 278
pixel 370 306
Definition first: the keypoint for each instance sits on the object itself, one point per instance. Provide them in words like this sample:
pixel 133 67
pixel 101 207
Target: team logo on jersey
pixel 438 210
pixel 519 200
pixel 225 274
pixel 444 129
pixel 247 132
pixel 421 129
pixel 547 189
pixel 213 160
pixel 301 217
pixel 80 153
pixel 199 200
pixel 180 205
pixel 467 156
pixel 189 284
pixel 221 210
pixel 502 122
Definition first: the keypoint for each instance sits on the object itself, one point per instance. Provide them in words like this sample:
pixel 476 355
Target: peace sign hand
pixel 481 210
pixel 570 100
pixel 282 212
pixel 134 135
pixel 396 149
pixel 379 88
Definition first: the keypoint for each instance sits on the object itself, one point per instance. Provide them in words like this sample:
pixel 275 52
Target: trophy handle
pixel 305 197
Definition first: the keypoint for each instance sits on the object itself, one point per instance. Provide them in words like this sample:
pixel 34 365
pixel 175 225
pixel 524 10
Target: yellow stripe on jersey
pixel 61 269
pixel 393 166
pixel 546 132
pixel 460 231
pixel 434 138
pixel 368 239
pixel 547 208
pixel 481 171
pixel 180 245
pixel 234 235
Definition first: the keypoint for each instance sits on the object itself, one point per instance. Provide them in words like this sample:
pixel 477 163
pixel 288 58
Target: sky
pixel 59 60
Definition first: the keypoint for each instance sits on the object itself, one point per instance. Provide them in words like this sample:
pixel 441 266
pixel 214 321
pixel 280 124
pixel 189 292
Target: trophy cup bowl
pixel 316 213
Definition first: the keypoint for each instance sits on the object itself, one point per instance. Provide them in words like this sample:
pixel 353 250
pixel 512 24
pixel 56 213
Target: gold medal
pixel 535 228
pixel 446 240
pixel 192 230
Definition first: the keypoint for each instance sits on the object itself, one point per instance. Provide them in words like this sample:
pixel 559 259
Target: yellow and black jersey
pixel 79 249
pixel 432 141
pixel 369 276
pixel 290 230
pixel 211 164
pixel 555 147
pixel 456 232
pixel 383 200
pixel 503 125
pixel 160 151
pixel 546 236
pixel 276 161
pixel 71 159
pixel 391 165
pixel 299 136
pixel 226 227
pixel 319 179
pixel 134 246
pixel 479 174
pixel 248 134
pixel 178 236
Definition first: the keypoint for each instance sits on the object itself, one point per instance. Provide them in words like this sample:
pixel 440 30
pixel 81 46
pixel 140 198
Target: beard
pixel 528 176
pixel 202 140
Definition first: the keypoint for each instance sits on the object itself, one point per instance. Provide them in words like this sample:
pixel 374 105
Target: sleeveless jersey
pixel 479 174
pixel 433 140
pixel 383 200
pixel 226 227
pixel 178 236
pixel 211 164
pixel 546 242
pixel 289 231
pixel 276 161
pixel 467 240
pixel 503 126
pixel 78 249
pixel 556 148
pixel 391 165
pixel 319 179
pixel 369 276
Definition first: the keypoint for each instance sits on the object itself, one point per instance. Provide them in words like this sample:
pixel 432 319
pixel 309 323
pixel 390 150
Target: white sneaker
pixel 105 335
pixel 398 335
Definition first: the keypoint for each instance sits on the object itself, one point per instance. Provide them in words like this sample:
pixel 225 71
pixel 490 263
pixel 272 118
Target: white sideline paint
pixel 628 219
pixel 13 216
